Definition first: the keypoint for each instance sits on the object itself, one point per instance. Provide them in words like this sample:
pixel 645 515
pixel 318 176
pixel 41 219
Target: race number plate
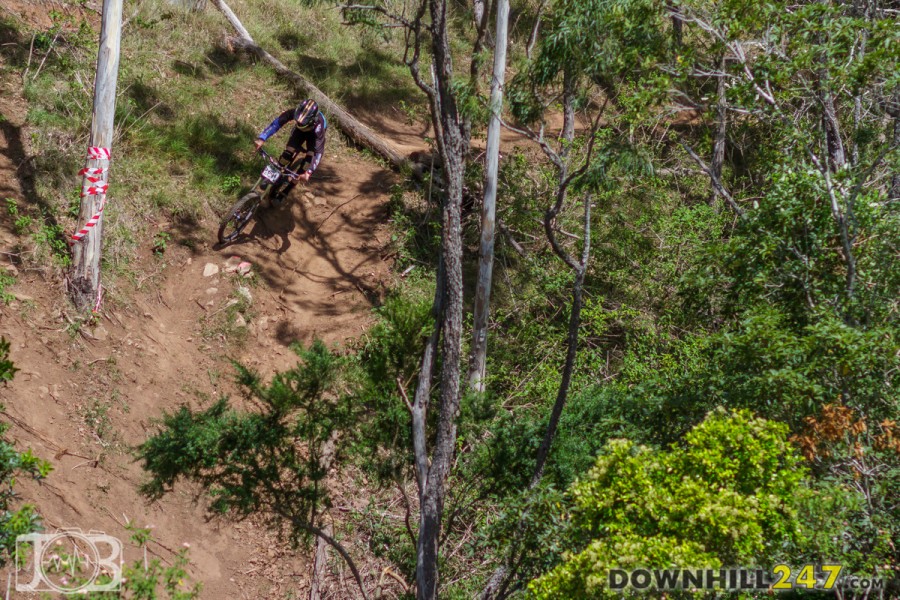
pixel 271 174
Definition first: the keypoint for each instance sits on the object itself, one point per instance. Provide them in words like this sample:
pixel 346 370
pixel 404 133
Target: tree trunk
pixel 85 277
pixel 837 157
pixel 321 555
pixel 677 24
pixel 894 193
pixel 453 144
pixel 718 158
pixel 488 214
pixel 571 349
pixel 532 39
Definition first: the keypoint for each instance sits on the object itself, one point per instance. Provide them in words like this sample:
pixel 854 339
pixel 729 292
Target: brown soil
pixel 86 396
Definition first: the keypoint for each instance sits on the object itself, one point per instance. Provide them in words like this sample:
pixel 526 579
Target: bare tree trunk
pixel 478 8
pixel 321 555
pixel 532 39
pixel 894 193
pixel 453 144
pixel 488 214
pixel 85 277
pixel 837 157
pixel 677 24
pixel 718 158
pixel 571 347
pixel 497 583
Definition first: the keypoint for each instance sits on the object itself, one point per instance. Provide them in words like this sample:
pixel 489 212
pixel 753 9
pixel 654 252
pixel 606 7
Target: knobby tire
pixel 238 217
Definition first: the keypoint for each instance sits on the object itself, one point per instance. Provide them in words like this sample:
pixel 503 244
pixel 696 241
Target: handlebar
pixel 274 162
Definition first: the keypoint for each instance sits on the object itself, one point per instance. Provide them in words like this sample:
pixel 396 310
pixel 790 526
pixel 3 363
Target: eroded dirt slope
pixel 87 394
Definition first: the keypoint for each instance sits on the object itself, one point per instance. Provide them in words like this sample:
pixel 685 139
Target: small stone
pixel 210 302
pixel 239 320
pixel 22 297
pixel 319 201
pixel 211 291
pixel 244 268
pixel 210 269
pixel 231 265
pixel 189 260
pixel 308 196
pixel 43 390
pixel 12 270
pixel 100 332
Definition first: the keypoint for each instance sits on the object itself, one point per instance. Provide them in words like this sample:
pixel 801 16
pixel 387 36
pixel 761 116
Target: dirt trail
pixel 85 396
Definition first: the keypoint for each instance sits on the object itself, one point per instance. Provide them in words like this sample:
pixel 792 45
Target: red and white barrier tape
pixel 95 153
pixel 94 175
pixel 94 190
pixel 99 298
pixel 91 222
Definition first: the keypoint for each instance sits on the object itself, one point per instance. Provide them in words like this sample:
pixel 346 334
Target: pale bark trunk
pixel 488 214
pixel 718 158
pixel 85 277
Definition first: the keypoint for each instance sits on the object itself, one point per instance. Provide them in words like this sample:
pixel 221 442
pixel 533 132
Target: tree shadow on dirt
pixel 336 253
pixel 272 224
pixel 24 173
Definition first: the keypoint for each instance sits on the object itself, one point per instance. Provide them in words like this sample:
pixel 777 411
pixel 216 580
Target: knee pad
pixel 287 156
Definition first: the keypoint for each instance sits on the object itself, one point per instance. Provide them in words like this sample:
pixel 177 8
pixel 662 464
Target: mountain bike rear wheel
pixel 237 217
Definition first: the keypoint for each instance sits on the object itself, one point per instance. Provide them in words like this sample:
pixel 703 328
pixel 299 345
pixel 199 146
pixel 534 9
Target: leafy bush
pixel 731 495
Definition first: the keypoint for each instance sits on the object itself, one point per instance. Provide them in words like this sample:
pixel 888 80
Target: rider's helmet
pixel 306 114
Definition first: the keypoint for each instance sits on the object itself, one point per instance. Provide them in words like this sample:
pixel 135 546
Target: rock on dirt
pixel 210 269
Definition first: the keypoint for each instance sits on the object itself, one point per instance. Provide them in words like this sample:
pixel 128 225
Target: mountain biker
pixel 308 136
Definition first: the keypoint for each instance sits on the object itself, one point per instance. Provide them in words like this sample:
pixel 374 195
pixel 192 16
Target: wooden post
pixel 85 279
pixel 489 208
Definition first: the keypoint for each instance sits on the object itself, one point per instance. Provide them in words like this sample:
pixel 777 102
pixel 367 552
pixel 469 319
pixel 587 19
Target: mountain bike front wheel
pixel 237 217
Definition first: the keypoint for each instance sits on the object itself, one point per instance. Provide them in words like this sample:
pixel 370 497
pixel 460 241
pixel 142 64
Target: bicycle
pixel 271 182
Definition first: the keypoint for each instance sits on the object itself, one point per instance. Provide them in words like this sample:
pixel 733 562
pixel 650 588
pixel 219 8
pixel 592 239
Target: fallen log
pixel 351 127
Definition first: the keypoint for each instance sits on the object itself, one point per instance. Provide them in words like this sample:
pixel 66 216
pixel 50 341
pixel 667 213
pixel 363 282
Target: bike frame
pixel 263 185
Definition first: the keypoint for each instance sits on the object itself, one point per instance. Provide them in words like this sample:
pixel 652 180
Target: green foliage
pixel 160 242
pixel 729 496
pixel 6 280
pixel 252 462
pixel 390 352
pixel 21 223
pixel 150 579
pixel 231 184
